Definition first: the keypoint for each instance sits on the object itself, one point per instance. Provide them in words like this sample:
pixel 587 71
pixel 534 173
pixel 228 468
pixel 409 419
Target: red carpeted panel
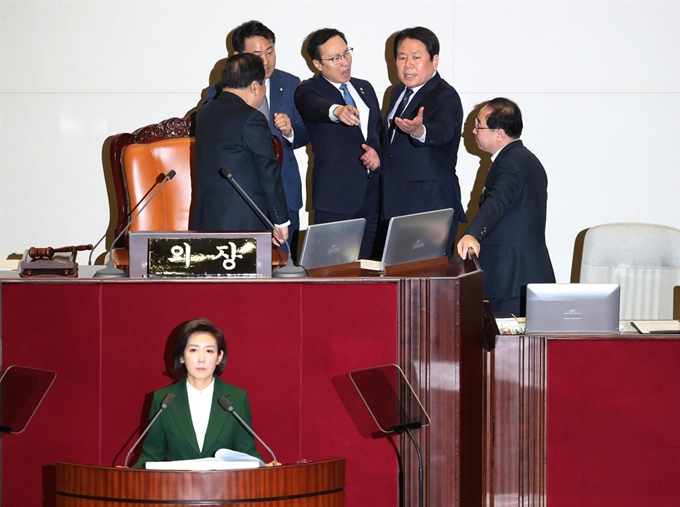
pixel 261 324
pixel 347 327
pixel 613 422
pixel 108 343
pixel 53 328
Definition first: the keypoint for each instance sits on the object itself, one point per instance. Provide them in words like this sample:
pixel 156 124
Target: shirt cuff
pixel 333 118
pixel 285 224
pixel 421 138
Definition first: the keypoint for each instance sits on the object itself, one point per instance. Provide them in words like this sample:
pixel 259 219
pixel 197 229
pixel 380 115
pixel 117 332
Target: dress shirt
pixel 200 404
pixel 396 105
pixel 268 95
pixel 364 111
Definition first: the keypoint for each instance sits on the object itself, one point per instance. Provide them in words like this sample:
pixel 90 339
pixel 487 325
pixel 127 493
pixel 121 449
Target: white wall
pixel 598 83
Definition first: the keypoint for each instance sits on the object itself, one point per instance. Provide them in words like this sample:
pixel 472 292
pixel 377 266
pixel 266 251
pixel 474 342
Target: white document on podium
pixel 225 459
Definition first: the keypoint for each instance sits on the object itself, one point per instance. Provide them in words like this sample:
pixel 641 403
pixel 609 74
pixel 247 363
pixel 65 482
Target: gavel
pixel 48 252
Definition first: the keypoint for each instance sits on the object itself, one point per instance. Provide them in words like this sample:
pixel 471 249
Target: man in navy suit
pixel 284 120
pixel 423 133
pixel 342 116
pixel 510 224
pixel 232 133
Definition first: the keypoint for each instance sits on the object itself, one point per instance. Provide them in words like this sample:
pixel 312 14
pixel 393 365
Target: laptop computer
pixel 416 237
pixel 572 308
pixel 332 243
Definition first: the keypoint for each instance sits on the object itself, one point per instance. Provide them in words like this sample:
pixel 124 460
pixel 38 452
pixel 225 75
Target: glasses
pixel 347 55
pixel 481 128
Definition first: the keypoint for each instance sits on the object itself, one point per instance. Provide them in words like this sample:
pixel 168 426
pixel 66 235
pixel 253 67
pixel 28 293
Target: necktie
pixel 400 110
pixel 346 95
pixel 348 98
pixel 264 108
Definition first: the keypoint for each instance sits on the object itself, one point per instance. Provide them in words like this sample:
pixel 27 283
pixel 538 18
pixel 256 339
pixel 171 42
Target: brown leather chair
pixel 140 161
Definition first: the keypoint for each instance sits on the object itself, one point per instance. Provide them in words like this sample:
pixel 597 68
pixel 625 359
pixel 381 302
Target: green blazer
pixel 172 436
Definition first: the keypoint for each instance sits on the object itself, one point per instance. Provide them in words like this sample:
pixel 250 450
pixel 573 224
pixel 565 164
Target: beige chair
pixel 643 258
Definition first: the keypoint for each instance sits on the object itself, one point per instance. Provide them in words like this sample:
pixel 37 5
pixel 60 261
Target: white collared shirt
pixel 268 94
pixel 364 110
pixel 396 105
pixel 200 404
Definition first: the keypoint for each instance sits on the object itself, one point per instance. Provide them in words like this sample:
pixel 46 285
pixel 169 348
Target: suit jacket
pixel 510 226
pixel 419 176
pixel 339 178
pixel 282 87
pixel 230 133
pixel 172 436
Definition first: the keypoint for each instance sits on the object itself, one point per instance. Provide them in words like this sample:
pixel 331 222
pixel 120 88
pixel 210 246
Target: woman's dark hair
pixel 182 337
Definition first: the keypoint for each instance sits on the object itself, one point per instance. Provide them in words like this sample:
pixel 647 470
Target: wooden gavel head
pixel 41 253
pixel 48 252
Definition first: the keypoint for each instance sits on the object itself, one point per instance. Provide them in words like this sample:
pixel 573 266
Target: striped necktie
pixel 399 111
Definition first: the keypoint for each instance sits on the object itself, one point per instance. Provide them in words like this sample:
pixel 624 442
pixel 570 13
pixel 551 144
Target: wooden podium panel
pixel 289 341
pixel 304 485
pixel 583 420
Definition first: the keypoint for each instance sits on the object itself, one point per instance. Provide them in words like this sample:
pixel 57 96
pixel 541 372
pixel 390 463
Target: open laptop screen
pixel 417 237
pixel 572 308
pixel 332 243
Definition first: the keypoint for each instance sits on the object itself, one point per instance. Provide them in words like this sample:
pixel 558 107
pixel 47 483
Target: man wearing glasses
pixel 342 116
pixel 423 128
pixel 510 224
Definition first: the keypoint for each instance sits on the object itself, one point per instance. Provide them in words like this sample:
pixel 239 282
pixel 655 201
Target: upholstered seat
pixel 643 258
pixel 140 161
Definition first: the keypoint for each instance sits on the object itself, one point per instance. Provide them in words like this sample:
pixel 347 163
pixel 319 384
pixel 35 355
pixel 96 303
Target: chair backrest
pixel 140 161
pixel 643 258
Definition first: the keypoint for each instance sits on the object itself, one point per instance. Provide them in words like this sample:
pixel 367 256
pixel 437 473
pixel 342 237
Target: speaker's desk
pixel 290 344
pixel 318 484
pixel 587 420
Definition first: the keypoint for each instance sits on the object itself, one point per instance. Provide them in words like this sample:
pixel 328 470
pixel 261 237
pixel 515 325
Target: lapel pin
pixel 281 89
pixel 361 90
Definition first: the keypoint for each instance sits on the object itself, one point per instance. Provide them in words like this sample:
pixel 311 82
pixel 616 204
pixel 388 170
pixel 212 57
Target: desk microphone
pixel 159 179
pixel 110 271
pixel 167 401
pixel 290 270
pixel 226 405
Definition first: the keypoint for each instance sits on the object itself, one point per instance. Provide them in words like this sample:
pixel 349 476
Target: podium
pixel 318 484
pixel 290 343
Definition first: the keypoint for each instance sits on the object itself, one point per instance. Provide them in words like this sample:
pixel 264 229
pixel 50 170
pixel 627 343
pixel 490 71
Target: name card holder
pixel 188 254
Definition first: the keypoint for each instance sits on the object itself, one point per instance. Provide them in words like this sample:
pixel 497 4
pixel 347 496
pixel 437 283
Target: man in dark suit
pixel 232 133
pixel 279 108
pixel 510 224
pixel 423 133
pixel 342 116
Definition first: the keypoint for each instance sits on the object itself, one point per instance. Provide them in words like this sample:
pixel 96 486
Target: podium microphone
pixel 167 401
pixel 290 270
pixel 110 271
pixel 159 179
pixel 226 405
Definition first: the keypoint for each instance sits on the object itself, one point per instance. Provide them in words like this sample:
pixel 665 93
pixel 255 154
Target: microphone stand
pixel 159 179
pixel 290 270
pixel 421 495
pixel 110 271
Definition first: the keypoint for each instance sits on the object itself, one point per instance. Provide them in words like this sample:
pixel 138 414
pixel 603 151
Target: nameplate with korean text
pixel 173 254
pixel 235 257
